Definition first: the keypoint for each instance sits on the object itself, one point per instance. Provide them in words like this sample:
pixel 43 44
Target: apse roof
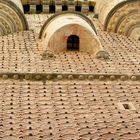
pixel 70 95
pixel 69 110
pixel 20 54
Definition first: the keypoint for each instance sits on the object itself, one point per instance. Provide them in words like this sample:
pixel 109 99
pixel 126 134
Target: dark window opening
pixel 126 106
pixel 91 8
pixel 39 9
pixel 64 7
pixel 52 8
pixel 73 43
pixel 139 39
pixel 26 8
pixel 78 8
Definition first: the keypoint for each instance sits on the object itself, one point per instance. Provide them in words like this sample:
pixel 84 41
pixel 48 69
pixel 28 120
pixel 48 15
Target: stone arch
pixel 120 16
pixel 12 18
pixel 55 32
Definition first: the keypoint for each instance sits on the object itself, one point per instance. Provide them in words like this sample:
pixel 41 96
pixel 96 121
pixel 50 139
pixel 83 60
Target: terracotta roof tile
pixel 62 109
pixel 68 111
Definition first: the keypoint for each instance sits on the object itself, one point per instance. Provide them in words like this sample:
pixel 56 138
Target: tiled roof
pixel 66 110
pixel 19 53
pixel 91 108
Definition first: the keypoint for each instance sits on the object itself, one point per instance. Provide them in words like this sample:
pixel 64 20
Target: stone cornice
pixel 68 76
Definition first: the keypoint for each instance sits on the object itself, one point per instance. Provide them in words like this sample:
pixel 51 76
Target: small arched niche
pixel 73 43
pixel 69 31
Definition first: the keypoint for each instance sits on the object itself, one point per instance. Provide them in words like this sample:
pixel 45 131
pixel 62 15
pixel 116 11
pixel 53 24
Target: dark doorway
pixel 73 43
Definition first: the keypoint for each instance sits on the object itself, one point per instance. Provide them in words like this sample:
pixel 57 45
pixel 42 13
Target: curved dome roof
pixel 12 18
pixel 59 27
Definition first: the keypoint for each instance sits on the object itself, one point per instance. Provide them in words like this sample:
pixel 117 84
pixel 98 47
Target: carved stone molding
pixel 12 18
pixel 120 16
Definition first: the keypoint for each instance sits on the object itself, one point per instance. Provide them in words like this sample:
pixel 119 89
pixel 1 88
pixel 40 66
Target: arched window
pixel 73 43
